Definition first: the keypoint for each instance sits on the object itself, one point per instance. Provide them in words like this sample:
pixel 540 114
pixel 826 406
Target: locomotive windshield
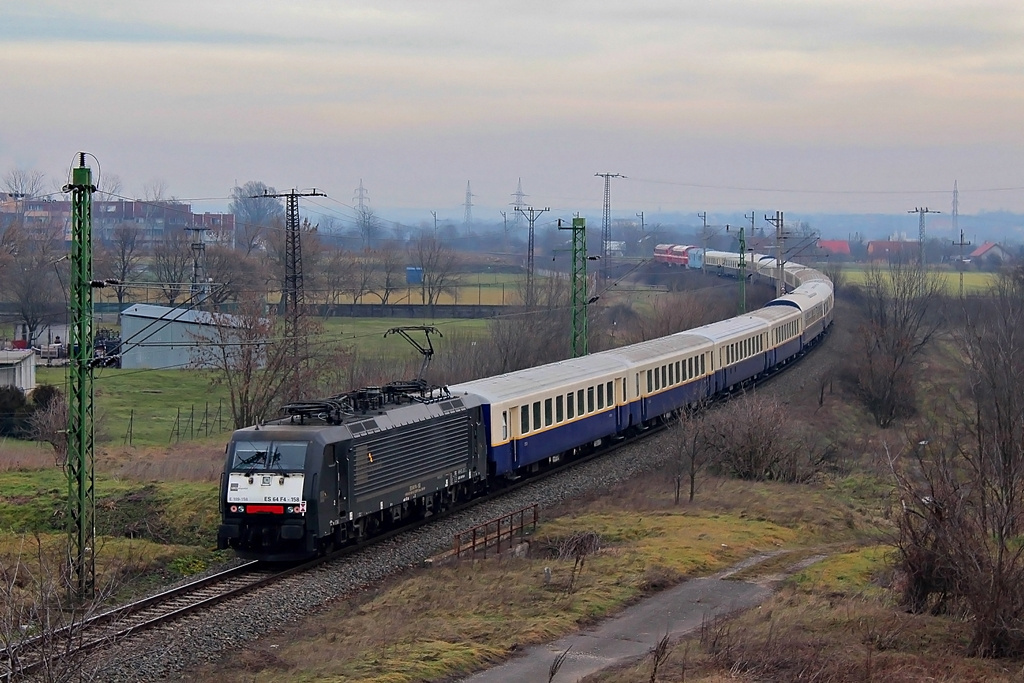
pixel 269 456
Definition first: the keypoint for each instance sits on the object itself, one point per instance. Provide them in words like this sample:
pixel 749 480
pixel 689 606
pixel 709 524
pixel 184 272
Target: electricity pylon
pixel 579 285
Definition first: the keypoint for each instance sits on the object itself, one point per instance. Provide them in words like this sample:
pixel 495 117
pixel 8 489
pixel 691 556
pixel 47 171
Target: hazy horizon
pixel 800 106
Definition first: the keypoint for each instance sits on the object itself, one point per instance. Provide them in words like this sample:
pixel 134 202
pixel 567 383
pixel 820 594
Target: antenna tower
pixel 606 224
pixel 468 220
pixel 921 233
pixel 518 204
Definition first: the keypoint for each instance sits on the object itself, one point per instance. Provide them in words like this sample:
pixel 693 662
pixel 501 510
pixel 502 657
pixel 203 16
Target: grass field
pixel 974 282
pixel 148 401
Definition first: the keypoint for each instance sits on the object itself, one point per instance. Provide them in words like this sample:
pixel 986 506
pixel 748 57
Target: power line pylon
pixel 921 234
pixel 579 284
pixel 361 197
pixel 531 217
pixel 468 220
pixel 606 223
pixel 293 293
pixel 517 203
pixel 81 473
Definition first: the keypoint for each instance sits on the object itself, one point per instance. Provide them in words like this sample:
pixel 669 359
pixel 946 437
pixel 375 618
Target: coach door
pixel 514 435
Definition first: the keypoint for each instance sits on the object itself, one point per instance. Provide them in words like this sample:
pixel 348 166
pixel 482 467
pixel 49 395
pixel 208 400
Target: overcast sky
pixel 800 106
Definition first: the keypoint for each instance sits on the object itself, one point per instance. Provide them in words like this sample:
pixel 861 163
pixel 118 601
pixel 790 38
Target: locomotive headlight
pixel 234 508
pixel 281 481
pixel 290 509
pixel 241 508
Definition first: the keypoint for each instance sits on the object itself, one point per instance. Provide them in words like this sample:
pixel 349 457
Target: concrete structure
pixel 18 368
pixel 161 337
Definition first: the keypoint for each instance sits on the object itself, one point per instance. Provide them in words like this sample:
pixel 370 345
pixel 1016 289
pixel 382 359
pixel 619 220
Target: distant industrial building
pixel 18 369
pixel 160 337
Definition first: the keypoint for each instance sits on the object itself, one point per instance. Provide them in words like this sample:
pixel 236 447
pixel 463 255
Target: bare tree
pixel 255 213
pixel 692 454
pixel 172 265
pixel 390 274
pixel 49 424
pixel 438 262
pixel 368 226
pixel 122 259
pixel 672 312
pixel 900 305
pixel 251 356
pixel 753 439
pixel 233 274
pixel 33 280
pixel 578 546
pixel 24 183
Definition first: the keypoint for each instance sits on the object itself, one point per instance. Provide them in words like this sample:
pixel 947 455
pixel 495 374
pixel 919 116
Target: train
pixel 338 470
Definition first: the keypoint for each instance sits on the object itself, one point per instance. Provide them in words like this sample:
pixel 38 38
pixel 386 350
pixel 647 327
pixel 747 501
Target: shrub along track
pixel 203 634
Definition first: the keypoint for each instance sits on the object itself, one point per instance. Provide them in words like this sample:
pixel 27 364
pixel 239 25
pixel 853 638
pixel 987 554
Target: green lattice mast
pixel 579 285
pixel 81 476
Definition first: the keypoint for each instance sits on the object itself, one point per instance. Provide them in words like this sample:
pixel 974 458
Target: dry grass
pixel 833 622
pixel 445 622
pixel 24 455
pixel 191 461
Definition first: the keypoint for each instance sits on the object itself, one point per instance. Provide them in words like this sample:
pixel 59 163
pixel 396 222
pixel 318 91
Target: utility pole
pixel 199 285
pixel 531 217
pixel 434 214
pixel 81 473
pixel 779 222
pixel 606 224
pixel 921 235
pixel 579 285
pixel 641 217
pixel 504 229
pixel 960 265
pixel 704 237
pixel 293 294
pixel 468 220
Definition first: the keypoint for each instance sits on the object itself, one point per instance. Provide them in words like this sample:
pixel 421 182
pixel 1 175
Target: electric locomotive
pixel 344 468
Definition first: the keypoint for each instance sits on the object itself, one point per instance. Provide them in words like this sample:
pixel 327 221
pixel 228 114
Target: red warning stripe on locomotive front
pixel 274 509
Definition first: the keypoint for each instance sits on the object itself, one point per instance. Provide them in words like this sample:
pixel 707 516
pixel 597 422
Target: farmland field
pixel 974 282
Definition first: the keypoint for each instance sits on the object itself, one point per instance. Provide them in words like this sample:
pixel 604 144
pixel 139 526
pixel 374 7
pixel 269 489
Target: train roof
pixel 805 296
pixel 524 383
pixel 663 347
pixel 727 329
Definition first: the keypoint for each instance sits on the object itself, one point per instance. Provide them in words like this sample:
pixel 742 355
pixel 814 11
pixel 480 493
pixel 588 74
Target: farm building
pixel 18 369
pixel 162 337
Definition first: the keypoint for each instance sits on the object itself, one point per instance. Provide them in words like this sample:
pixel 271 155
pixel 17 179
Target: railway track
pixel 31 655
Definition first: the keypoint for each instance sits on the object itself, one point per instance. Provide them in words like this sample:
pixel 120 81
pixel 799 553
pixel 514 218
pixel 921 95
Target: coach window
pixel 679 371
pixel 689 368
pixel 664 375
pixel 650 382
pixel 570 403
pixel 657 379
pixel 559 408
pixel 702 370
pixel 524 419
pixel 609 391
pixel 590 399
pixel 600 396
pixel 504 424
pixel 536 415
pixel 548 417
pixel 579 402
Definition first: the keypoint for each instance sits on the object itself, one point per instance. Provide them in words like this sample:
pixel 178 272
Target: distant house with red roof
pixel 990 253
pixel 835 247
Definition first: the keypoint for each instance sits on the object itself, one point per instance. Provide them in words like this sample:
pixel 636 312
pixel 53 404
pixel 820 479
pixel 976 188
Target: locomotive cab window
pixel 258 456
